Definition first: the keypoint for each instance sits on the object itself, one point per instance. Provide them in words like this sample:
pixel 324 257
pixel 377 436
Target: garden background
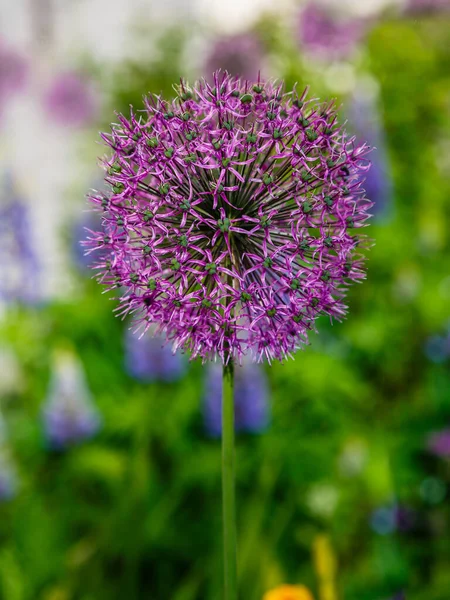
pixel 343 454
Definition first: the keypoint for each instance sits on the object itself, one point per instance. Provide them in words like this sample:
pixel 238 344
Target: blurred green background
pixel 134 511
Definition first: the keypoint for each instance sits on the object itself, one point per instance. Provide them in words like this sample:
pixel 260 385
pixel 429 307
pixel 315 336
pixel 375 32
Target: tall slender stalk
pixel 228 485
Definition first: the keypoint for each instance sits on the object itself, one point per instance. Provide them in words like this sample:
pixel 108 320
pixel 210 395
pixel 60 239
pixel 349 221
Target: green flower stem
pixel 228 485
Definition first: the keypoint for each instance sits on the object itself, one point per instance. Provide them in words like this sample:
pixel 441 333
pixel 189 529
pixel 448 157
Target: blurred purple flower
pixel 19 264
pixel 366 123
pixel 68 413
pixel 148 359
pixel 240 55
pixel 71 100
pixel 8 480
pixel 13 72
pixel 387 519
pixel 427 6
pixel 327 35
pixel 251 399
pixel 439 443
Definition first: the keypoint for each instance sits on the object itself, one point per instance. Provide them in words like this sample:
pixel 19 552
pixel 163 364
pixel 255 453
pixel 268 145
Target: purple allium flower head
pixel 328 35
pixel 233 217
pixel 240 55
pixel 147 359
pixel 366 123
pixel 68 413
pixel 250 397
pixel 439 443
pixel 20 269
pixel 70 100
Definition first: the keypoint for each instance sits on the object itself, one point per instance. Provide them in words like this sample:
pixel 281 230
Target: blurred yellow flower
pixel 289 592
pixel 324 558
pixel 326 567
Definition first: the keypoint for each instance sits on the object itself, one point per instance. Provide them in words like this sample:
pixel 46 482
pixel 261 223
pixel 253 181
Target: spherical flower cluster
pixel 233 217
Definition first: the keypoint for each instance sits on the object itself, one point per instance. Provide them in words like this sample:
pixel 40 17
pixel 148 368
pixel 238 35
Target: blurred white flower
pixel 322 499
pixel 353 458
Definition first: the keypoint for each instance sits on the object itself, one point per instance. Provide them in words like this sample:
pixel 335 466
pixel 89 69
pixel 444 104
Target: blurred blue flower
pixel 251 395
pixel 88 220
pixel 383 520
pixel 8 480
pixel 148 359
pixel 8 477
pixel 19 264
pixel 367 125
pixel 69 415
pixel 387 519
pixel 437 347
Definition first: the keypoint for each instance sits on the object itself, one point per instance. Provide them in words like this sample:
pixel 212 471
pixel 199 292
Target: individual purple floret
pixel 241 55
pixel 148 359
pixel 250 398
pixel 233 219
pixel 68 413
pixel 19 263
pixel 71 100
pixel 366 124
pixel 439 443
pixel 8 480
pixel 327 35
